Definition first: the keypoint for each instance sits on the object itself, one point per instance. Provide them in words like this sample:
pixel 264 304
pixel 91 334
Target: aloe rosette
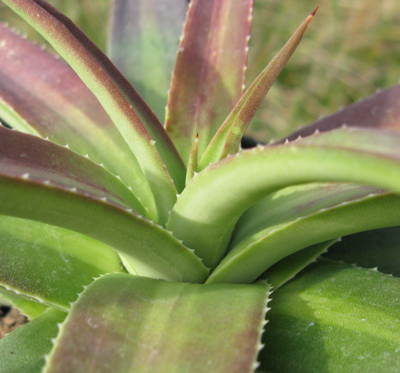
pixel 135 246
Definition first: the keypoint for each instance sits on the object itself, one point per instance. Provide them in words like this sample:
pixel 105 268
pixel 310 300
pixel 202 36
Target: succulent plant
pixel 134 246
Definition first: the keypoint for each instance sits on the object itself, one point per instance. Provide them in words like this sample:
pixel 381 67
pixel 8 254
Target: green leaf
pixel 283 271
pixel 24 349
pixel 42 95
pixel 48 264
pixel 143 45
pixel 334 318
pixel 209 74
pixel 105 81
pixel 29 308
pixel 227 140
pixel 206 212
pixel 297 222
pixel 373 249
pixel 55 190
pixel 146 325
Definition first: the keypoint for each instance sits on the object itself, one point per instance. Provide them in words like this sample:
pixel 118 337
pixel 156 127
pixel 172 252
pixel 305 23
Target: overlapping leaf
pixel 334 317
pixel 209 73
pixel 298 217
pixel 40 94
pixel 105 81
pixel 50 264
pixel 227 140
pixel 207 211
pixel 24 349
pixel 147 325
pixel 45 182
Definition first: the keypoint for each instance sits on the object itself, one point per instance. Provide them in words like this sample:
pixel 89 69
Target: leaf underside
pixel 147 325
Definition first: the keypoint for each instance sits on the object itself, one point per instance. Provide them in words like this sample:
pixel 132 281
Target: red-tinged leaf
pixel 52 101
pixel 29 157
pixel 106 82
pixel 379 111
pixel 42 181
pixel 123 323
pixel 144 41
pixel 209 73
pixel 227 140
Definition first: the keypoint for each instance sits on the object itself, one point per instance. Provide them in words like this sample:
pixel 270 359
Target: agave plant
pixel 134 246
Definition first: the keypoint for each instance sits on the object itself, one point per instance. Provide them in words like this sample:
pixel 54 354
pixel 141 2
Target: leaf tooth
pixel 104 199
pixel 47 182
pixel 66 146
pixel 73 189
pixel 87 156
pixel 25 176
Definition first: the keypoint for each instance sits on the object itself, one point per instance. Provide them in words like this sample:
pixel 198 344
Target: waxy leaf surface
pixel 147 325
pixel 41 94
pixel 144 43
pixel 105 81
pixel 50 264
pixel 334 317
pixel 24 349
pixel 209 74
pixel 42 181
pixel 207 211
pixel 298 217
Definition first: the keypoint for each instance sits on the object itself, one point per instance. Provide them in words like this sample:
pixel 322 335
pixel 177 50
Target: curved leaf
pixel 50 188
pixel 332 318
pixel 159 326
pixel 42 95
pixel 26 156
pixel 302 221
pixel 49 264
pixel 207 211
pixel 31 309
pixel 24 349
pixel 105 81
pixel 283 271
pixel 209 73
pixel 143 45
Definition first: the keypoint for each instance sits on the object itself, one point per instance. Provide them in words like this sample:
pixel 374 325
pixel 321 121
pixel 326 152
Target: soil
pixel 10 319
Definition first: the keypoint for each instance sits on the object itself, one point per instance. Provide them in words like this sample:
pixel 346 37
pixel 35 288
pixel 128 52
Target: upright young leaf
pixel 41 94
pixel 147 325
pixel 206 212
pixel 227 140
pixel 105 81
pixel 209 73
pixel 143 45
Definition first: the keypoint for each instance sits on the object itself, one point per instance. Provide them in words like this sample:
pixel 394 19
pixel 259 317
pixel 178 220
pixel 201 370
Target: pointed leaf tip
pixel 315 11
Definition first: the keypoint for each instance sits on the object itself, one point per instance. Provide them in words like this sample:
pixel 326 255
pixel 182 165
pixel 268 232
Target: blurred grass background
pixel 350 50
